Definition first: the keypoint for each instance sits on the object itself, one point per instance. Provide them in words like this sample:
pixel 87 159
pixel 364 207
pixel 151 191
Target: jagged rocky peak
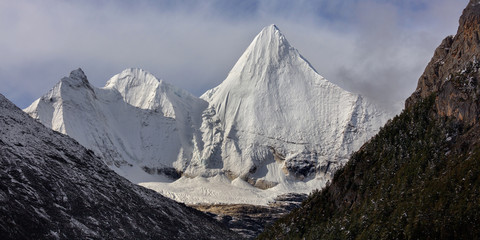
pixel 49 109
pixel 453 73
pixel 470 13
pixel 78 74
pixel 77 78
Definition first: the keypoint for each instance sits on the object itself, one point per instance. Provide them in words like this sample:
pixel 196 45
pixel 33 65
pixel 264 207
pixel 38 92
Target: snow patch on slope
pixel 220 189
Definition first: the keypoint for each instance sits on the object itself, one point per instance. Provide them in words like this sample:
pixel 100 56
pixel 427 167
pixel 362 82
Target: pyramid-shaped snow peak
pixel 275 119
pixel 269 52
pixel 269 48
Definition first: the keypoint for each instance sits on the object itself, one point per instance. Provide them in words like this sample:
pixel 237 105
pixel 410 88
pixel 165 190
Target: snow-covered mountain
pixel 274 123
pixel 54 188
pixel 274 116
pixel 135 122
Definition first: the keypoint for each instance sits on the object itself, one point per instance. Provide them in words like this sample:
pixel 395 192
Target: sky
pixel 378 48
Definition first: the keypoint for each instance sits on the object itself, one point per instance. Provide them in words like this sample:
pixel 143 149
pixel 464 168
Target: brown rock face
pixel 453 73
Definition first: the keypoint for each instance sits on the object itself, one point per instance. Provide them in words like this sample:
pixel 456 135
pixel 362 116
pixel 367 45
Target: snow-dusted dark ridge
pixel 274 123
pixel 53 188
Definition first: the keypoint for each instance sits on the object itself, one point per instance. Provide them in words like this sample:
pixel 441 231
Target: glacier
pixel 273 126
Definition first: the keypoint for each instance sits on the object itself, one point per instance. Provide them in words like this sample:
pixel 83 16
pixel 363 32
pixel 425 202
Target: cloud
pixel 377 48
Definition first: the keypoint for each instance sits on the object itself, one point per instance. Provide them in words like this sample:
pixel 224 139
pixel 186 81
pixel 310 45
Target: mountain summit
pixel 136 123
pixel 269 49
pixel 274 123
pixel 269 53
pixel 274 118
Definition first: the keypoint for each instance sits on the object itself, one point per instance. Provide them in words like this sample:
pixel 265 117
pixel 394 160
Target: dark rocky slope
pixel 419 177
pixel 53 188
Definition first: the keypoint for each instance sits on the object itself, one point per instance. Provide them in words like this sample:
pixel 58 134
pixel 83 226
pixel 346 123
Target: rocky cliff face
pixel 419 177
pixel 453 71
pixel 53 188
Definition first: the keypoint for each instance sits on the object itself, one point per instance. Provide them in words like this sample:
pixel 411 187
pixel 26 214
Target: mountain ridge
pixel 273 123
pixel 52 187
pixel 119 130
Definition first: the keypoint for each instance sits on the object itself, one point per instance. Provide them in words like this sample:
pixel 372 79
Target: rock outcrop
pixel 453 73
